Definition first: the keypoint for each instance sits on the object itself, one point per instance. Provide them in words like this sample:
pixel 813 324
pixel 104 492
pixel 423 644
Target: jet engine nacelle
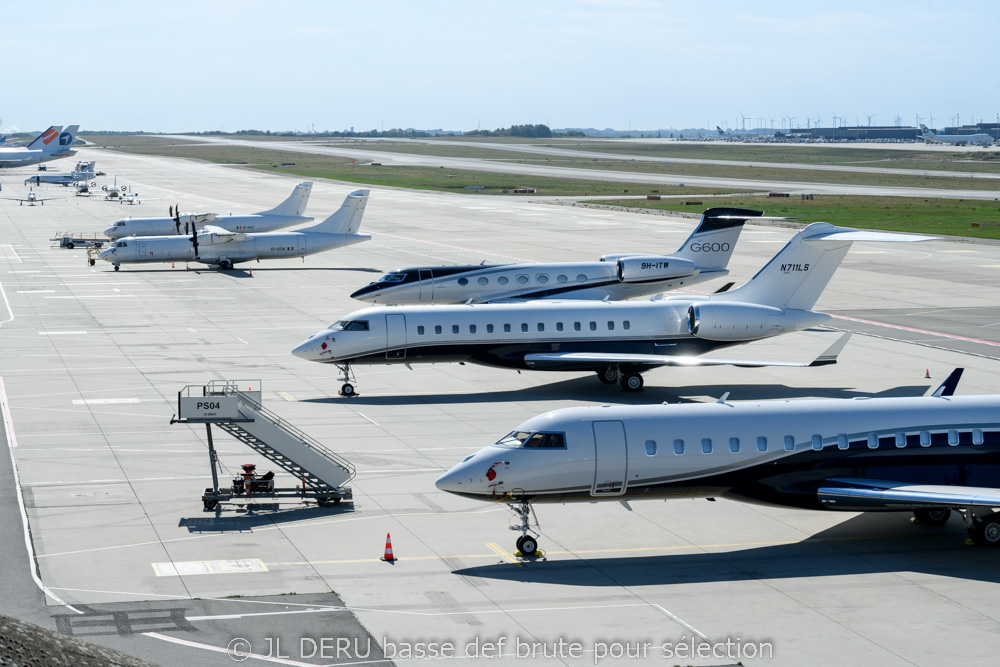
pixel 722 321
pixel 647 268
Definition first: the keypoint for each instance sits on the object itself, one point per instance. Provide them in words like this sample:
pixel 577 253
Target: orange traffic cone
pixel 187 268
pixel 251 273
pixel 928 374
pixel 388 557
pixel 172 265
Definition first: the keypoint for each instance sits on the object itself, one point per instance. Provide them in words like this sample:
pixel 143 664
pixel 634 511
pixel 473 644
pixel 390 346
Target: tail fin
pixel 711 243
pixel 296 202
pixel 798 274
pixel 46 138
pixel 347 219
pixel 925 130
pixel 66 138
pixel 720 130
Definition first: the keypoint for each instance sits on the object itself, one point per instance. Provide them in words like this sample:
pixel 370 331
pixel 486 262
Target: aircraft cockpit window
pixel 533 440
pixel 120 223
pixel 514 439
pixel 121 244
pixel 392 278
pixel 350 325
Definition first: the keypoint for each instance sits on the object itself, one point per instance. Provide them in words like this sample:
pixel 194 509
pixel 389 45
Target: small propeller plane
pixel 31 199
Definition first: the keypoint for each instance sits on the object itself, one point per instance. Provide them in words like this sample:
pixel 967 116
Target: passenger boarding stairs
pixel 235 407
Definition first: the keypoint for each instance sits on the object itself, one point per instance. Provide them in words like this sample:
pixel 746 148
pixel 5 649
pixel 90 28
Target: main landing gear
pixel 527 545
pixel 347 377
pixel 983 530
pixel 613 374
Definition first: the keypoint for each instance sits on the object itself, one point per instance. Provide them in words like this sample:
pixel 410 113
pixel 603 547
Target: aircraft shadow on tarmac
pixel 239 518
pixel 865 544
pixel 588 389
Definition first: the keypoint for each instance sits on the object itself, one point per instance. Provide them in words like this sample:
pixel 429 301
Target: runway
pixel 93 360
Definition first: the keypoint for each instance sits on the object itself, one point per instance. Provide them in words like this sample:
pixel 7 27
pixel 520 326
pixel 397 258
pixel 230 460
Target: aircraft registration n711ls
pixel 223 248
pixel 616 339
pixel 287 213
pixel 703 256
pixel 926 454
pixel 52 144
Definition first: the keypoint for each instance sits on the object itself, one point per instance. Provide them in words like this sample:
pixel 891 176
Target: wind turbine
pixel 790 120
pixel 743 122
pixel 899 121
pixel 818 121
pixel 918 120
pixel 870 116
pixel 931 120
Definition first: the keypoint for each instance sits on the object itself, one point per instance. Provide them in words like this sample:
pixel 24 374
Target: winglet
pixel 832 352
pixel 722 399
pixel 947 387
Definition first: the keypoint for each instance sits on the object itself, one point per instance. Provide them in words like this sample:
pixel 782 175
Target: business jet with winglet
pixel 52 144
pixel 929 455
pixel 703 256
pixel 618 340
pixel 223 248
pixel 287 213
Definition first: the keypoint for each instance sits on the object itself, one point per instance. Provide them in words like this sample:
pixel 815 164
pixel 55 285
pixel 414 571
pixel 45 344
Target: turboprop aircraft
pixel 618 340
pixel 31 199
pixel 932 137
pixel 928 455
pixel 52 144
pixel 223 248
pixel 703 256
pixel 287 213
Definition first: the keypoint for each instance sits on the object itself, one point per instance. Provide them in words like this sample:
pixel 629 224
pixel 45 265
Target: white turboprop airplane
pixel 616 339
pixel 928 455
pixel 84 171
pixel 703 256
pixel 287 213
pixel 932 137
pixel 223 248
pixel 51 144
pixel 31 199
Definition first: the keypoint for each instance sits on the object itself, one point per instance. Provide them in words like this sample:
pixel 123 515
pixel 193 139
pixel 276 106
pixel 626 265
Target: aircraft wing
pixel 882 493
pixel 223 235
pixel 589 359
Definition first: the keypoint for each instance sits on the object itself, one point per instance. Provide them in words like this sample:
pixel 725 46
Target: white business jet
pixel 928 455
pixel 223 248
pixel 287 213
pixel 703 256
pixel 84 171
pixel 618 340
pixel 52 144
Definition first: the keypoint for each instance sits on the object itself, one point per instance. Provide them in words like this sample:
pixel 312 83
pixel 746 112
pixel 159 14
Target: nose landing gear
pixel 347 377
pixel 527 545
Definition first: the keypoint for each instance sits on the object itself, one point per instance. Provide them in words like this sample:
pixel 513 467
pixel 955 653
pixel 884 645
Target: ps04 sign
pixel 208 407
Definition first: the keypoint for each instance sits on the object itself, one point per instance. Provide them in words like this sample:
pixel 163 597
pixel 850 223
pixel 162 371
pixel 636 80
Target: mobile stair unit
pixel 235 407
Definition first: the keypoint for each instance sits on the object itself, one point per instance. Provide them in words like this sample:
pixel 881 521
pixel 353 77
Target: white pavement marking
pixel 8 426
pixel 61 333
pixel 104 401
pixel 368 418
pixel 286 396
pixel 679 620
pixel 922 331
pixel 192 567
pixel 6 303
pixel 35 291
pixel 236 653
pixel 10 249
pixel 230 617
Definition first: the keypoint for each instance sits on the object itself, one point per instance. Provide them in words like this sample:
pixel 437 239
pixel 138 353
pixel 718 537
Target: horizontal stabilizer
pixel 864 235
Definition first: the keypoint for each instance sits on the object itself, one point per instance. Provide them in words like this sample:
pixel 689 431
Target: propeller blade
pixel 171 210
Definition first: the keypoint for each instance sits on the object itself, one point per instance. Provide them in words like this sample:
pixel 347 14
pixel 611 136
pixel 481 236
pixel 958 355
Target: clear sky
pixel 217 64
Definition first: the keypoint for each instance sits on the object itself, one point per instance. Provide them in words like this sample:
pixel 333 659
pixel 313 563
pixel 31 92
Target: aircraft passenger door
pixel 142 250
pixel 610 459
pixel 426 277
pixel 395 336
pixel 302 246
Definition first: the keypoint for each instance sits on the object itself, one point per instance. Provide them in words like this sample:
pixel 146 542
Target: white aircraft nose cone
pixel 110 232
pixel 450 481
pixel 311 348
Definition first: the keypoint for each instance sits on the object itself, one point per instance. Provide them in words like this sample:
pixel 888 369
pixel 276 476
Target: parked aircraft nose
pixel 313 348
pixel 110 232
pixel 451 481
pixel 105 254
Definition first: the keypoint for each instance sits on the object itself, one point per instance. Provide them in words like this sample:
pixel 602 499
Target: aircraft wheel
pixel 987 532
pixel 117 266
pixel 608 375
pixel 932 517
pixel 211 505
pixel 347 389
pixel 225 265
pixel 632 382
pixel 528 546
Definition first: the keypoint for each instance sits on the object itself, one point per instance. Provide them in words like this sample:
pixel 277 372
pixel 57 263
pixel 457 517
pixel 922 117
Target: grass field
pixel 952 217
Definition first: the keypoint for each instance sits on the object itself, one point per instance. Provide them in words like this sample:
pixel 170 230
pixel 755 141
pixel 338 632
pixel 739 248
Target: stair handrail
pixel 306 439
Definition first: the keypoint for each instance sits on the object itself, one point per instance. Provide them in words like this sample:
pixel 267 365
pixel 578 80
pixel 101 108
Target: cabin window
pixel 559 326
pixel 900 439
pixel 420 330
pixel 593 326
pixel 789 442
pixel 952 438
pixel 524 327
pixel 925 438
pixel 472 328
pixel 506 328
pixel 734 445
pixel 626 325
pixel 454 328
pixel 503 280
pixel 437 328
pixel 541 278
pixel 463 281
pixel 541 326
pixel 489 328
pixel 817 441
pixel 483 280
pixel 761 443
pixel 546 441
pixel 678 446
pixel 706 445
pixel 576 326
pixel 611 325
pixel 651 448
pixel 581 278
pixel 872 441
pixel 977 436
pixel 561 278
pixel 522 280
